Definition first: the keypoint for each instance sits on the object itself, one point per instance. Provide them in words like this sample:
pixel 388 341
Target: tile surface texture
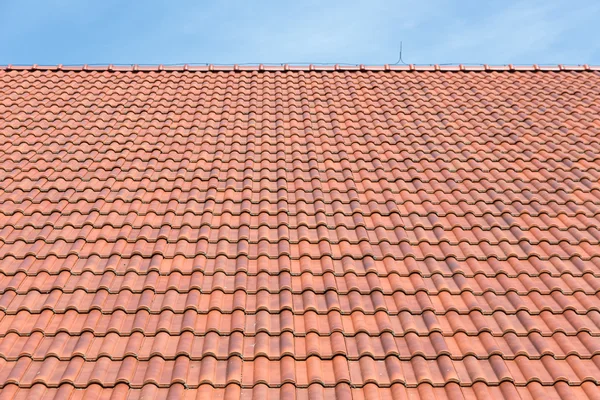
pixel 375 233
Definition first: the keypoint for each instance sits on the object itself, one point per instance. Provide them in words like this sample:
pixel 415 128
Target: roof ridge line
pixel 289 67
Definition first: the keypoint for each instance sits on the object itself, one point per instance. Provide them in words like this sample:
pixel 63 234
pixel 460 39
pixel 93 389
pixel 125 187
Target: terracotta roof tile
pixel 301 232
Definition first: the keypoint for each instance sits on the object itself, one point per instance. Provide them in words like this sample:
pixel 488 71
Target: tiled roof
pixel 265 232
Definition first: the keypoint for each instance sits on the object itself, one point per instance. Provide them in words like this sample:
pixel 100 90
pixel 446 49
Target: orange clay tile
pixel 307 232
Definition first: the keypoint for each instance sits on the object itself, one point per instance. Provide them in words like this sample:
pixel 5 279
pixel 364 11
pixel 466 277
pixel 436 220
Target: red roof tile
pixel 275 231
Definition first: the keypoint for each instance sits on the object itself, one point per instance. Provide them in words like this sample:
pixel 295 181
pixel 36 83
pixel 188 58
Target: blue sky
pixel 254 31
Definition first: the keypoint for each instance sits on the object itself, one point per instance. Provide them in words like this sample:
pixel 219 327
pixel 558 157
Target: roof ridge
pixel 289 67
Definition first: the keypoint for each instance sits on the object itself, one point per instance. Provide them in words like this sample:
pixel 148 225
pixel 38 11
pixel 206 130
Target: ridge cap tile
pixel 300 67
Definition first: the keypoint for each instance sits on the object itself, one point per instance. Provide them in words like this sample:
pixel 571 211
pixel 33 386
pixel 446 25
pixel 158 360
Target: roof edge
pixel 288 67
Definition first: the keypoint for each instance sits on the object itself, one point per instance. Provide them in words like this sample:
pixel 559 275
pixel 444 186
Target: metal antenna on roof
pixel 400 60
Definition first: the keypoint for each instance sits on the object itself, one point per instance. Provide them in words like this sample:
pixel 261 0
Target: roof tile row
pixel 163 373
pixel 387 266
pixel 169 346
pixel 403 250
pixel 315 391
pixel 474 323
pixel 443 302
pixel 500 284
pixel 295 235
